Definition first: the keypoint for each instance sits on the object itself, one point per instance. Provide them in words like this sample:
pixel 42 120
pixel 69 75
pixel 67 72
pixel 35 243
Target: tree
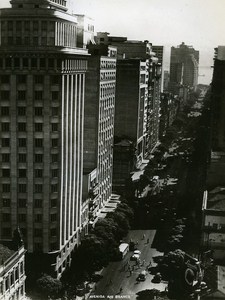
pixel 49 286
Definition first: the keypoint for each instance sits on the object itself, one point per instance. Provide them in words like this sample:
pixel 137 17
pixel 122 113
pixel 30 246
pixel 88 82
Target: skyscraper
pixel 183 68
pixel 42 83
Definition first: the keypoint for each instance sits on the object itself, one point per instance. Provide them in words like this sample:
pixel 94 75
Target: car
pixel 135 257
pixel 142 276
pixel 137 252
pixel 157 278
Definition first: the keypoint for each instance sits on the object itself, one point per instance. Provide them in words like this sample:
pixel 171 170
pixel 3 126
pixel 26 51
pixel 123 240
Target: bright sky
pixel 200 23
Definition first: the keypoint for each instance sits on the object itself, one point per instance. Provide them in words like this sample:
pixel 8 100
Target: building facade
pixel 99 115
pixel 183 68
pixel 12 274
pixel 42 74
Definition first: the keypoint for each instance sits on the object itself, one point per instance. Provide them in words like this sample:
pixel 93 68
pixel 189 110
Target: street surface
pixel 118 276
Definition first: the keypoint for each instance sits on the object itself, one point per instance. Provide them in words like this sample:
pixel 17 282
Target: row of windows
pixel 22 79
pixel 22 173
pixel 22 95
pixel 105 64
pixel 38 127
pixel 108 76
pixel 22 188
pixel 28 40
pixel 27 25
pixel 22 157
pixel 22 111
pixel 6 217
pixel 22 142
pixel 22 202
pixel 40 63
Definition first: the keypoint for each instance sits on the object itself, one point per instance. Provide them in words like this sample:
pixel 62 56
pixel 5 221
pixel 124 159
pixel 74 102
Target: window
pixel 38 218
pixel 38 158
pixel 5 187
pixel 54 127
pixel 38 188
pixel 55 95
pixel 22 202
pixel 33 62
pixel 5 95
pixel 6 232
pixel 55 79
pixel 42 63
pixel 38 95
pixel 17 61
pixel 21 95
pixel 53 202
pixel 53 217
pixel 22 173
pixel 37 232
pixel 35 25
pixel 5 111
pixel 22 187
pixel 38 127
pixel 54 173
pixel 37 247
pixel 6 173
pixel 22 78
pixel 21 110
pixel 6 217
pixel 5 127
pixel 39 79
pixel 6 202
pixel 38 111
pixel 53 232
pixel 22 157
pixel 51 60
pixel 54 157
pixel 8 60
pixel 38 173
pixel 22 126
pixel 5 157
pixel 38 142
pixel 5 78
pixel 55 111
pixel 22 142
pixel 22 218
pixel 25 59
pixel 54 143
pixel 54 188
pixel 5 142
pixel 38 203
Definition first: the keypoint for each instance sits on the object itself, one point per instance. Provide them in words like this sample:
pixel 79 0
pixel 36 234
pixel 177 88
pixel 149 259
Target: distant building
pixel 99 116
pixel 12 273
pixel 184 62
pixel 166 79
pixel 213 222
pixel 42 85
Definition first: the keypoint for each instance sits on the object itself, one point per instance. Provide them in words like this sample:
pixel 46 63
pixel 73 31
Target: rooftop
pixel 5 253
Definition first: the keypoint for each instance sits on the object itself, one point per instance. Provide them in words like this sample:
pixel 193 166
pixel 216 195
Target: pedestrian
pixel 143 237
pixel 121 289
pixel 143 262
pixel 147 240
pixel 137 242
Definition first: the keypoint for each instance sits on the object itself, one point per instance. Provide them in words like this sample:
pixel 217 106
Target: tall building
pixel 183 68
pixel 99 118
pixel 42 84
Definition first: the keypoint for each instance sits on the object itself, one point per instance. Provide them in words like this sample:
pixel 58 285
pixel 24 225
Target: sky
pixel 200 23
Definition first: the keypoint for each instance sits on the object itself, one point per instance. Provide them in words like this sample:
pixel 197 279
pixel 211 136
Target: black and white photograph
pixel 112 149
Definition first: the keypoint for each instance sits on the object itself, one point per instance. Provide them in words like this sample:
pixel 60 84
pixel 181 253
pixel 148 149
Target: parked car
pixel 142 276
pixel 135 257
pixel 157 278
pixel 137 252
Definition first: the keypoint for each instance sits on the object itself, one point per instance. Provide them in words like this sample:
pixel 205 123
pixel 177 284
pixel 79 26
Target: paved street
pixel 117 275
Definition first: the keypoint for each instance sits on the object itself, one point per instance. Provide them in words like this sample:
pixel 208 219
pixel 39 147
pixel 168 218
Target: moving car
pixel 142 276
pixel 135 257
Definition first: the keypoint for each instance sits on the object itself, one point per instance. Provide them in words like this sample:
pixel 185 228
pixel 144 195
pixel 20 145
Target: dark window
pixel 38 218
pixel 22 142
pixel 22 173
pixel 33 62
pixel 55 111
pixel 17 59
pixel 42 63
pixel 5 187
pixel 38 158
pixel 6 217
pixel 38 188
pixel 25 59
pixel 6 202
pixel 51 62
pixel 22 218
pixel 53 202
pixel 5 95
pixel 6 173
pixel 38 127
pixel 5 142
pixel 35 25
pixel 54 157
pixel 37 247
pixel 53 232
pixel 38 95
pixel 54 143
pixel 37 232
pixel 4 110
pixel 22 157
pixel 22 78
pixel 22 202
pixel 53 217
pixel 8 60
pixel 21 95
pixel 55 95
pixel 54 188
pixel 22 188
pixel 38 203
pixel 39 79
pixel 5 157
pixel 54 127
pixel 44 25
pixel 22 126
pixel 20 5
pixel 21 110
pixel 38 142
pixel 6 232
pixel 5 78
pixel 38 111
pixel 38 173
pixel 55 79
pixel 27 25
pixel 5 127
pixel 54 173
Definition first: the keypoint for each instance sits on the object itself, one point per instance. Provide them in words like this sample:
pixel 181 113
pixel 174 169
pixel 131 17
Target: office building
pixel 184 62
pixel 42 84
pixel 99 115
